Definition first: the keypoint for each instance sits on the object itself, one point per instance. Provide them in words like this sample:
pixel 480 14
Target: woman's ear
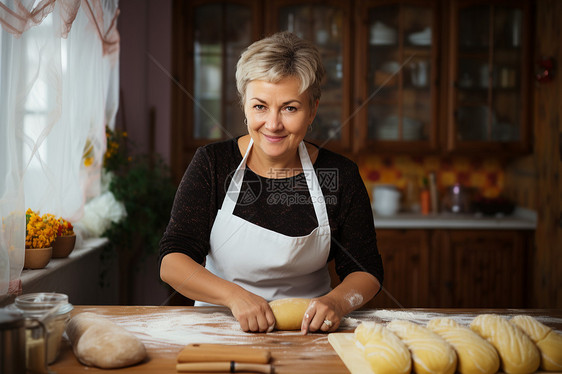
pixel 313 111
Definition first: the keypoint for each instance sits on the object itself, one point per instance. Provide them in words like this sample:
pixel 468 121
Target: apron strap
pixel 314 187
pixel 233 192
pixel 229 202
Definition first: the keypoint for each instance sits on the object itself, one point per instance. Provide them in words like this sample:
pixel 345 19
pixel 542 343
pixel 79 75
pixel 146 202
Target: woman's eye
pixel 259 107
pixel 291 109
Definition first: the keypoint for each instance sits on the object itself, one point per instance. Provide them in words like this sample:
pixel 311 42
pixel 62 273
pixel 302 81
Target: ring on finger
pixel 328 323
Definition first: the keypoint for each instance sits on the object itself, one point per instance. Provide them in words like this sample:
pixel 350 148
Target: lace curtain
pixel 59 77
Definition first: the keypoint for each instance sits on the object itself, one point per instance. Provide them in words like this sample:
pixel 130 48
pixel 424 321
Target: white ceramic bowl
pixel 386 200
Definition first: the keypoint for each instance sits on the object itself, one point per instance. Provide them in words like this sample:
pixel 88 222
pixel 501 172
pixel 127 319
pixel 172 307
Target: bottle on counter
pixel 433 197
pixel 425 198
pixel 412 194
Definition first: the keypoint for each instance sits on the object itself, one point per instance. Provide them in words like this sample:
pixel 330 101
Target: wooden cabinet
pixel 403 76
pixel 328 25
pixel 454 268
pixel 489 78
pixel 208 38
pixel 405 256
pixel 397 76
pixel 480 268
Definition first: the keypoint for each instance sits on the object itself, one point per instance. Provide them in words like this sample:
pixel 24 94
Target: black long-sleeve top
pixel 279 204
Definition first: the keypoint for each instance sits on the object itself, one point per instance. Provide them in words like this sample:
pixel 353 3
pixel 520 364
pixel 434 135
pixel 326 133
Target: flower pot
pixel 37 258
pixel 63 245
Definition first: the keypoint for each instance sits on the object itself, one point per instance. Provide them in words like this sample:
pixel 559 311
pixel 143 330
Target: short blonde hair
pixel 280 56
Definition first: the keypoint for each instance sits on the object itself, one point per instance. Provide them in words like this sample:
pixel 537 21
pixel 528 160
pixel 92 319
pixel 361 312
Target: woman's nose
pixel 273 122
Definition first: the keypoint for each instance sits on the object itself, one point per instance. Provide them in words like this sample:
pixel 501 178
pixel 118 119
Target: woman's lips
pixel 273 138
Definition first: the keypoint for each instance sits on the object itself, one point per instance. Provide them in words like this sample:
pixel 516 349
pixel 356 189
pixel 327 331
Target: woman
pixel 266 211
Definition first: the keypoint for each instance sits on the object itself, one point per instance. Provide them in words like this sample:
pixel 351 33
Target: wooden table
pixel 166 330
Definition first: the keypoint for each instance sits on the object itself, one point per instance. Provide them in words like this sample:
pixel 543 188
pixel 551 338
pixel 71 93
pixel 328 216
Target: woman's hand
pixel 251 311
pixel 323 314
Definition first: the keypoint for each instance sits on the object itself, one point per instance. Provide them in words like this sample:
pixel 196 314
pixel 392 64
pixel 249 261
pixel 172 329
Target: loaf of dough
pixel 548 341
pixel 517 352
pixel 289 312
pixel 475 355
pixel 430 352
pixel 97 341
pixel 384 351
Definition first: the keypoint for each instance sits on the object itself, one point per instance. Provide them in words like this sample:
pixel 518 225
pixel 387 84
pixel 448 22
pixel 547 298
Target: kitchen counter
pixel 166 330
pixel 521 219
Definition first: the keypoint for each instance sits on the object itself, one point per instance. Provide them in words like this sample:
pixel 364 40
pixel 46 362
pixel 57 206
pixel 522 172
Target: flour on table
pixel 175 328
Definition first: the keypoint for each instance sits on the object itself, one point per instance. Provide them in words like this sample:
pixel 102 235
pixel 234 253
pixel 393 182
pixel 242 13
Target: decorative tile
pixel 485 175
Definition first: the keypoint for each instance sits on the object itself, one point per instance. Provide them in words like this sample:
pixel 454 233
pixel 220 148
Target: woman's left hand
pixel 323 314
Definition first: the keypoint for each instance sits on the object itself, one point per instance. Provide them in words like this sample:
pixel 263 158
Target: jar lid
pixel 37 304
pixel 10 320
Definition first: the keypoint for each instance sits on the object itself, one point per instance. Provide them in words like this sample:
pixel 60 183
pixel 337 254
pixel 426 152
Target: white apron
pixel 265 262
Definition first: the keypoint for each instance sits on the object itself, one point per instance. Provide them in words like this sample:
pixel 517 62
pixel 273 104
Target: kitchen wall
pixel 145 27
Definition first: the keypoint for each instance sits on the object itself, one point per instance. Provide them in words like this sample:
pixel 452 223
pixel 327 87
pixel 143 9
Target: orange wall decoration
pixel 486 175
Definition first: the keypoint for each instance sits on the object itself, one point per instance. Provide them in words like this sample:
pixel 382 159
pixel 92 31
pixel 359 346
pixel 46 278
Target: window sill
pixel 78 276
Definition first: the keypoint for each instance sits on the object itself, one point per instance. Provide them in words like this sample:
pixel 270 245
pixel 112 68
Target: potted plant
pixel 65 240
pixel 41 231
pixel 143 184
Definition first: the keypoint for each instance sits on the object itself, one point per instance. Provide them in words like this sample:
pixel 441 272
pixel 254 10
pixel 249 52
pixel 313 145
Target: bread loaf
pixel 548 341
pixel 384 351
pixel 475 355
pixel 430 352
pixel 518 353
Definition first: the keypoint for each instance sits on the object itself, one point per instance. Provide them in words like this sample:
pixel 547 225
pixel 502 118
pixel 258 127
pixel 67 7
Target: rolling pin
pixel 223 367
pixel 198 353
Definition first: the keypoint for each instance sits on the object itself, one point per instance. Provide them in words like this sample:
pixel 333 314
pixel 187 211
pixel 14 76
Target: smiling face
pixel 278 118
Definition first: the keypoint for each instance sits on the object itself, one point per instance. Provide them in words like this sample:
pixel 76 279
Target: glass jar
pixel 53 311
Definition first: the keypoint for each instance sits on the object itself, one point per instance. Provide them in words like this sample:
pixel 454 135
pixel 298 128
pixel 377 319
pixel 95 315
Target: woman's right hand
pixel 251 311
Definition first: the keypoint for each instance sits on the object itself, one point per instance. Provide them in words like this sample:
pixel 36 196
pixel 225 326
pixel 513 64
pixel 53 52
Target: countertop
pixel 165 330
pixel 521 219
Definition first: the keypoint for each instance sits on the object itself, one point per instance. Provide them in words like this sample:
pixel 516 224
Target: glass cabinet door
pixel 324 24
pixel 221 31
pixel 488 104
pixel 400 90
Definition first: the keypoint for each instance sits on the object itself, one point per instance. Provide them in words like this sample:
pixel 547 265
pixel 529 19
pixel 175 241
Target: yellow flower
pixel 88 161
pixel 40 230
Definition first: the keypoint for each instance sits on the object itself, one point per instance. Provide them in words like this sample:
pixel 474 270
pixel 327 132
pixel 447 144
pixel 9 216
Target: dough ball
pixel 289 312
pixel 80 323
pixel 386 353
pixel 97 341
pixel 517 352
pixel 430 352
pixel 548 341
pixel 475 355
